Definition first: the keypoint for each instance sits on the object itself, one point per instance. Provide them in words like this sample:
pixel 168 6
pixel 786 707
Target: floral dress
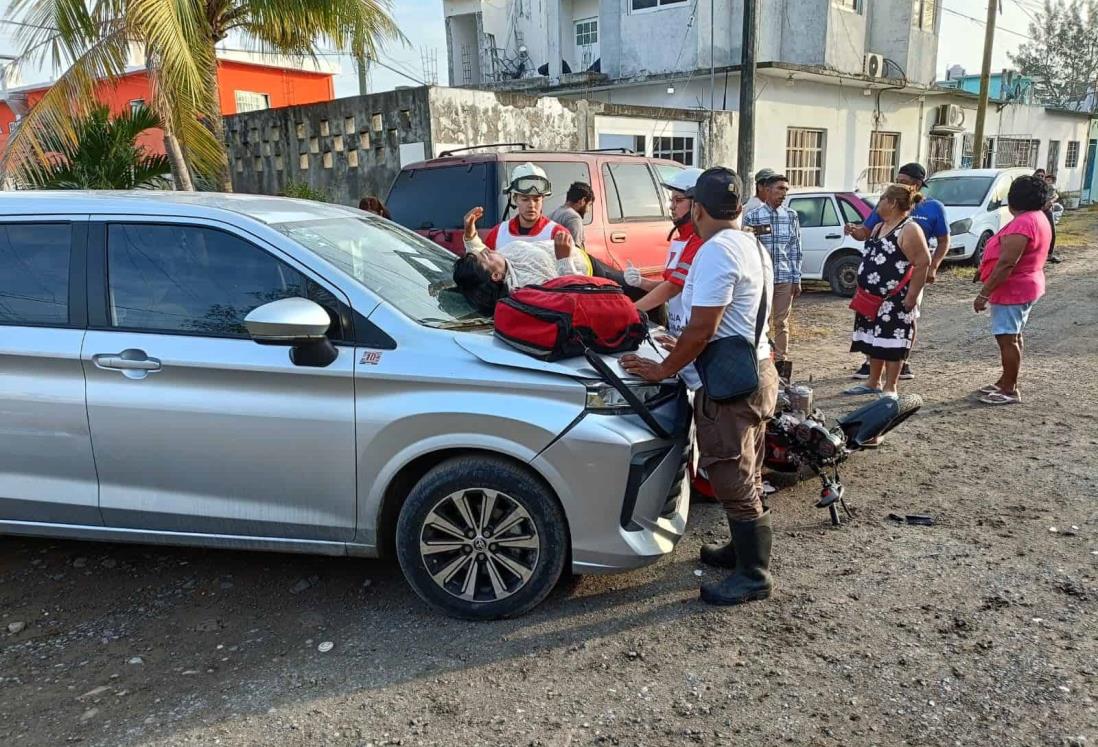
pixel 890 335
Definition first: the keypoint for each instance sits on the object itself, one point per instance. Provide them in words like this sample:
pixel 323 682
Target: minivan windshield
pixel 409 272
pixel 966 191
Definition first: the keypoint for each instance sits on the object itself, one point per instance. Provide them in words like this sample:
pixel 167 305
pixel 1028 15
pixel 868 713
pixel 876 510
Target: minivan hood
pixel 955 213
pixel 490 349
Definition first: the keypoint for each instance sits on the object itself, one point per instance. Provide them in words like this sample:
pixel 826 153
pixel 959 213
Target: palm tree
pixel 179 37
pixel 106 154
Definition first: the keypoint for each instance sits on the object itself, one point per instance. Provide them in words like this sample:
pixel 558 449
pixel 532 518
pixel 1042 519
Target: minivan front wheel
pixel 842 274
pixel 480 538
pixel 978 253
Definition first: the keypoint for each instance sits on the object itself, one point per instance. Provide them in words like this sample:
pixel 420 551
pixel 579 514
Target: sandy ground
pixel 980 629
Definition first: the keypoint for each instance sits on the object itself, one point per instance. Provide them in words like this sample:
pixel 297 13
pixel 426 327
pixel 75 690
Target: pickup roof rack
pixel 525 147
pixel 452 151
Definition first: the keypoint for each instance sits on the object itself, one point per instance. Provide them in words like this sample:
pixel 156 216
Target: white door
pixel 821 230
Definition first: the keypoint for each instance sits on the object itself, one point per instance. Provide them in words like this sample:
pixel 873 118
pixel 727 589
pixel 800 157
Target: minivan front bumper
pixel 624 491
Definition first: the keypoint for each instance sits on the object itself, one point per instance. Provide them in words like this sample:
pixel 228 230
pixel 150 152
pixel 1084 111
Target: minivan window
pixel 403 268
pixel 561 175
pixel 440 197
pixel 190 279
pixel 850 213
pixel 965 191
pixel 815 212
pixel 34 273
pixel 640 199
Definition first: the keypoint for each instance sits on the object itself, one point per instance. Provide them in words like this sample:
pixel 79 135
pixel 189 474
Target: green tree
pixel 91 41
pixel 106 154
pixel 1063 56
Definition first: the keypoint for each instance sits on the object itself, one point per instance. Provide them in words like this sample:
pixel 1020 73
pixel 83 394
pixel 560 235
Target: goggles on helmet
pixel 531 184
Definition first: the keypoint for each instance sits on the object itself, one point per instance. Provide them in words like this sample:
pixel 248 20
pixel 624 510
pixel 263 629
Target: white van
pixel 976 206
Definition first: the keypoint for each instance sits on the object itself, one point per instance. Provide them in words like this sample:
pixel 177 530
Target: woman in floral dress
pixel 894 268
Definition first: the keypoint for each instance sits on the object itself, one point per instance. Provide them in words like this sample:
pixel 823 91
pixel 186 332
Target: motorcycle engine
pixel 801 436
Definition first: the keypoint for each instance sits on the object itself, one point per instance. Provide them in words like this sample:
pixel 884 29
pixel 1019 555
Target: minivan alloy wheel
pixel 479 545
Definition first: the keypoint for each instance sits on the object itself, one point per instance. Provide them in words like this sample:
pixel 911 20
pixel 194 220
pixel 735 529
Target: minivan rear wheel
pixel 842 274
pixel 481 538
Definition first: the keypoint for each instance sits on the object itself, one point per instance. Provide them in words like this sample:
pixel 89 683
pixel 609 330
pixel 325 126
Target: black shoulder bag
pixel 729 367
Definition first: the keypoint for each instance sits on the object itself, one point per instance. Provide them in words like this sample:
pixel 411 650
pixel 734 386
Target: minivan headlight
pixel 601 397
pixel 961 226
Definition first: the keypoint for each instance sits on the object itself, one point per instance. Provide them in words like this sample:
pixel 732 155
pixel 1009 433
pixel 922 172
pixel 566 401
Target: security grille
pixel 1016 151
pixel 941 153
pixel 804 156
pixel 884 154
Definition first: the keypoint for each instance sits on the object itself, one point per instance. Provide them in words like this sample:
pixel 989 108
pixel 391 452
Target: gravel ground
pixel 979 629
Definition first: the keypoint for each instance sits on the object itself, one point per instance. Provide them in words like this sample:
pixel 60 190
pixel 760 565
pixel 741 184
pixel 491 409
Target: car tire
pixel 842 274
pixel 474 577
pixel 978 252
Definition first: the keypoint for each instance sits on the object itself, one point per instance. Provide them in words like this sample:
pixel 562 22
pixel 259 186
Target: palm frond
pixel 300 27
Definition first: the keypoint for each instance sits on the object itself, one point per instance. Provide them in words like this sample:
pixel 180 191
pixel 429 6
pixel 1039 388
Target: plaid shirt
pixel 783 242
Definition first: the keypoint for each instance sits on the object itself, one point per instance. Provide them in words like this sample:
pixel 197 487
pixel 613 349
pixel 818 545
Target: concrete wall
pixel 347 147
pixel 892 34
pixel 462 117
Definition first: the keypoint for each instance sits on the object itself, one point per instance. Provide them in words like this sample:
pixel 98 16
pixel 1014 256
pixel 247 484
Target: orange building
pixel 247 81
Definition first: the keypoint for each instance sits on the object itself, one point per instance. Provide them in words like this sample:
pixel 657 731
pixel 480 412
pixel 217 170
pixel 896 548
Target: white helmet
pixel 529 179
pixel 682 180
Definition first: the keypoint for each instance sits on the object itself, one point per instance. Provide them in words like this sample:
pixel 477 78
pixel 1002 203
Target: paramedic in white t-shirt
pixel 728 281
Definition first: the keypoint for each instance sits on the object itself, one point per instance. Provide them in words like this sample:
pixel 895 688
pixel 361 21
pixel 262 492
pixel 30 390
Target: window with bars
pixel 250 101
pixel 136 104
pixel 884 155
pixel 941 154
pixel 804 156
pixel 1071 159
pixel 1016 152
pixel 967 149
pixel 679 149
pixel 1053 161
pixel 587 32
pixel 923 13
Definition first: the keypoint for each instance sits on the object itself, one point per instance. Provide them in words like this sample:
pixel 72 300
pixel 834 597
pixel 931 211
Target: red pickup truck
pixel 628 222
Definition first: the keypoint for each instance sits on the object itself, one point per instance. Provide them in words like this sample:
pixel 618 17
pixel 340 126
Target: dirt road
pixel 981 629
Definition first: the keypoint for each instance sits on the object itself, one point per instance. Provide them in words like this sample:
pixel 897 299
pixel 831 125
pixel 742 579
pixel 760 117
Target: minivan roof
pixel 263 208
pixel 978 172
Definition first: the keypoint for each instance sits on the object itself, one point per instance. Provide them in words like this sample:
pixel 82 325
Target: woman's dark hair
pixel 902 196
pixel 579 191
pixel 372 204
pixel 476 284
pixel 1028 193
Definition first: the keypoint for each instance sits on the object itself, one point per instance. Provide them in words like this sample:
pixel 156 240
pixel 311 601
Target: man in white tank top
pixel 728 293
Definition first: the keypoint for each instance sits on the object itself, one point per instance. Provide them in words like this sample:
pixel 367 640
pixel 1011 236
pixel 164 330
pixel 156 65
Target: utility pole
pixel 712 83
pixel 363 64
pixel 746 151
pixel 985 85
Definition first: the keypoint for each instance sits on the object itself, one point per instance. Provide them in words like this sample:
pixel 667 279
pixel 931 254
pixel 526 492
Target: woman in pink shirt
pixel 1013 275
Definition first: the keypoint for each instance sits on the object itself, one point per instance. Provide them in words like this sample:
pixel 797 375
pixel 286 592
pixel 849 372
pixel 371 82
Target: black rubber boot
pixel 751 581
pixel 720 556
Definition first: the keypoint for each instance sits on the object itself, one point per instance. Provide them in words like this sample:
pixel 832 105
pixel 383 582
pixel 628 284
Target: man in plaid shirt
pixel 779 230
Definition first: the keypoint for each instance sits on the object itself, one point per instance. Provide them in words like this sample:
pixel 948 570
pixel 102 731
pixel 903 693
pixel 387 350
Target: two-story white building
pixel 845 89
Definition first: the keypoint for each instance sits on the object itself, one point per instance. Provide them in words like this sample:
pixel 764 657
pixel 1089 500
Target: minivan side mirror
pixel 295 322
pixel 994 205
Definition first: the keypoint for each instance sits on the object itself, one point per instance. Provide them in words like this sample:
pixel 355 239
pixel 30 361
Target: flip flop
pixel 1001 398
pixel 989 389
pixel 860 389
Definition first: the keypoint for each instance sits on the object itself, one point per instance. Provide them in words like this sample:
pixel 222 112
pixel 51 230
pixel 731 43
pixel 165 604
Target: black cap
pixel 914 170
pixel 718 190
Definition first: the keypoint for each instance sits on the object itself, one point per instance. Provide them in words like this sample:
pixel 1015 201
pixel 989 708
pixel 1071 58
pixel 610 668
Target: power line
pixel 984 23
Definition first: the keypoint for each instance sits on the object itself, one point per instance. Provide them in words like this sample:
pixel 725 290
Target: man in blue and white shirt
pixel 779 230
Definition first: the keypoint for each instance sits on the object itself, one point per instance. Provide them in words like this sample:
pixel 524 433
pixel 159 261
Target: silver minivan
pixel 235 371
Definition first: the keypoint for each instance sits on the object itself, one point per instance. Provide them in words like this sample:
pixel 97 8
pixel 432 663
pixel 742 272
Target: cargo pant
pixel 731 440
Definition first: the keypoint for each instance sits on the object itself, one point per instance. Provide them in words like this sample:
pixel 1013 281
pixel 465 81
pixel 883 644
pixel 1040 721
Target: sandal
pixel 1001 398
pixel 859 389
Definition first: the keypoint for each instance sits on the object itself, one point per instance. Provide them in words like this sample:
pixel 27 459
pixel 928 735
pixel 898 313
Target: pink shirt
pixel 1026 282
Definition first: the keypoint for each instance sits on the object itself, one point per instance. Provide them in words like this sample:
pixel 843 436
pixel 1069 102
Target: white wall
pixel 844 113
pixel 1036 123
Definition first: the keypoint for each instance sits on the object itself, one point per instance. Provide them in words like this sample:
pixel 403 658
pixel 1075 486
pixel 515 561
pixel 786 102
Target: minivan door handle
pixel 133 363
pixel 618 237
pixel 833 236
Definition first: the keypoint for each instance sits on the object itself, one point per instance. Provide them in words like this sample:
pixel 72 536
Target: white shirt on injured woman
pixel 534 262
pixel 731 271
